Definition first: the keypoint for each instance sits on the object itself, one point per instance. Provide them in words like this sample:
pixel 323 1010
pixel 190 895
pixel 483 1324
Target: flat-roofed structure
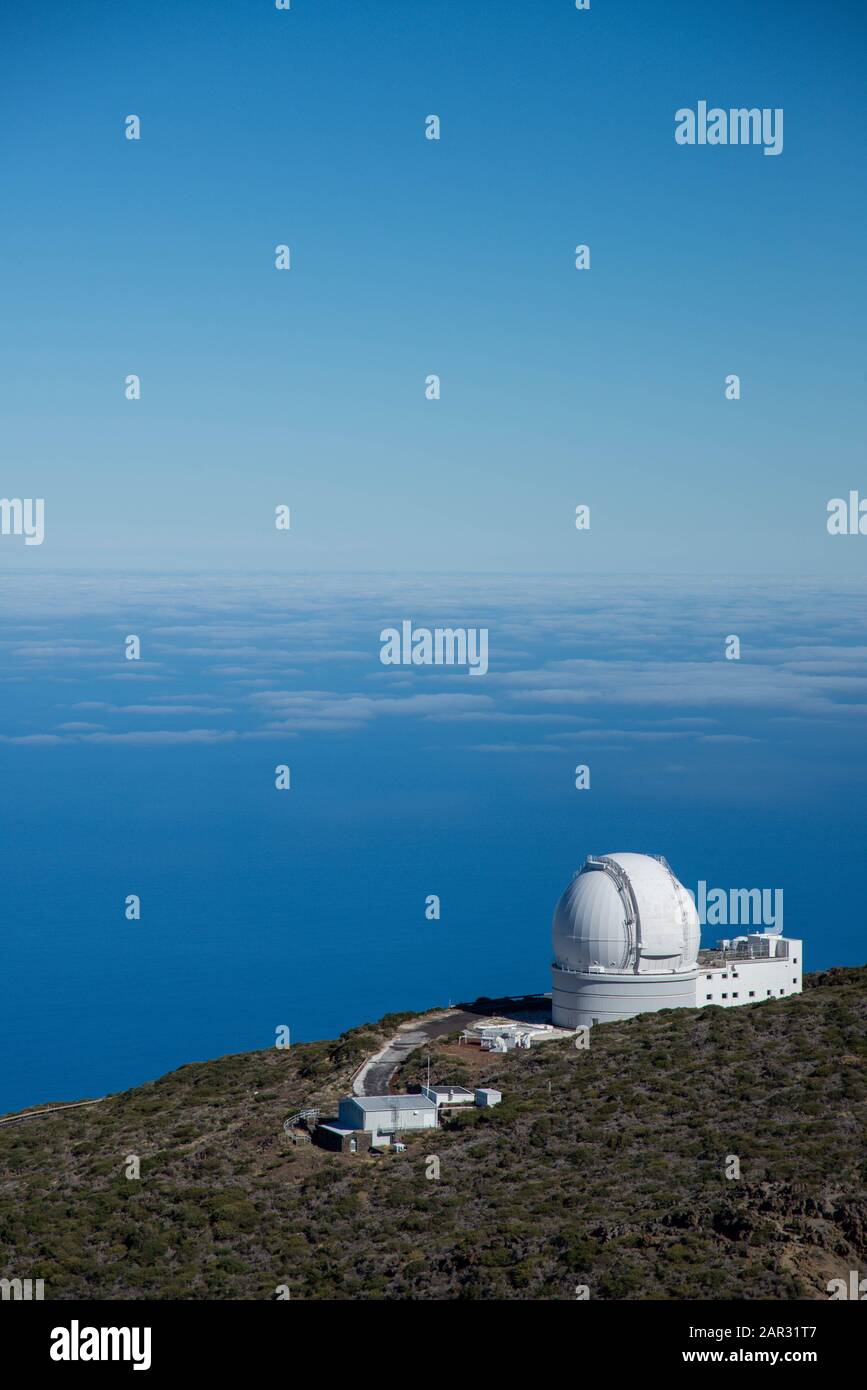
pixel 382 1116
pixel 749 969
pixel 448 1095
pixel 340 1140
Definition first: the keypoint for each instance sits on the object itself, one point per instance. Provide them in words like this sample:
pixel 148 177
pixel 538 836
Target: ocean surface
pixel 306 907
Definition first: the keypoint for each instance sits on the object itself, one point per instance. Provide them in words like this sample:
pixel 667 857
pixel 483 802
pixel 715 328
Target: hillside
pixel 603 1167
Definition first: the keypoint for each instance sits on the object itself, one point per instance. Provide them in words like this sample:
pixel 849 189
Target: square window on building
pixel 708 996
pixel 735 995
pixel 782 991
pixel 725 996
pixel 725 976
pixel 794 960
pixel 794 979
pixel 770 992
pixel 752 994
pixel 708 977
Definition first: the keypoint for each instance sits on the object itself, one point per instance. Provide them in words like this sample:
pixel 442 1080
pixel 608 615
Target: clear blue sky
pixel 410 257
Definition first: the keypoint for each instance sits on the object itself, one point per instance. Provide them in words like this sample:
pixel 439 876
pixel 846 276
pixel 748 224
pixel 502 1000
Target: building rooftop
pixel 372 1103
pixel 746 951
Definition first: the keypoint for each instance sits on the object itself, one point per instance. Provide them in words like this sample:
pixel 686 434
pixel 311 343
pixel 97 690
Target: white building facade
pixel 748 969
pixel 382 1116
pixel 626 941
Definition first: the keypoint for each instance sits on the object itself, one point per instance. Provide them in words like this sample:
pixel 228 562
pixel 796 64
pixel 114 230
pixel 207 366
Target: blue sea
pixel 307 907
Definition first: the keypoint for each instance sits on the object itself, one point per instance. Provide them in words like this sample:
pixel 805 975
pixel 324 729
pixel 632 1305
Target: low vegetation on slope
pixel 604 1168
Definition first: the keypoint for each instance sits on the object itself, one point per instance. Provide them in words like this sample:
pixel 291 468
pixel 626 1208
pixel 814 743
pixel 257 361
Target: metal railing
pixel 308 1115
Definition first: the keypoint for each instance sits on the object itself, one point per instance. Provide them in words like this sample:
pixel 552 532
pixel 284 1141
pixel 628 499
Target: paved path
pixel 375 1075
pixel 51 1110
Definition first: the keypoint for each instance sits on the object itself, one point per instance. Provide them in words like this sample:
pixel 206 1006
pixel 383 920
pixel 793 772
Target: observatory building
pixel 626 941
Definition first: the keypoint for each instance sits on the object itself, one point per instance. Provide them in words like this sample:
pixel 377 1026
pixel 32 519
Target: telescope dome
pixel 626 914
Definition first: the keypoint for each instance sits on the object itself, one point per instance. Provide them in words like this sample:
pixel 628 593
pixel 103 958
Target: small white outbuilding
pixel 386 1115
pixel 486 1096
pixel 448 1095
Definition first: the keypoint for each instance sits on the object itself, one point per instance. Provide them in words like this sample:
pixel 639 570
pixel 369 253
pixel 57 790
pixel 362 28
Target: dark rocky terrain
pixel 603 1167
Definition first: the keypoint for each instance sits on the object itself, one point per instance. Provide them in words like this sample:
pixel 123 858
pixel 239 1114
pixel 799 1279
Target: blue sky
pixel 410 257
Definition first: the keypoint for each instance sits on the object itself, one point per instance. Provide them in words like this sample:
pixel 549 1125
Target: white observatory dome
pixel 626 914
